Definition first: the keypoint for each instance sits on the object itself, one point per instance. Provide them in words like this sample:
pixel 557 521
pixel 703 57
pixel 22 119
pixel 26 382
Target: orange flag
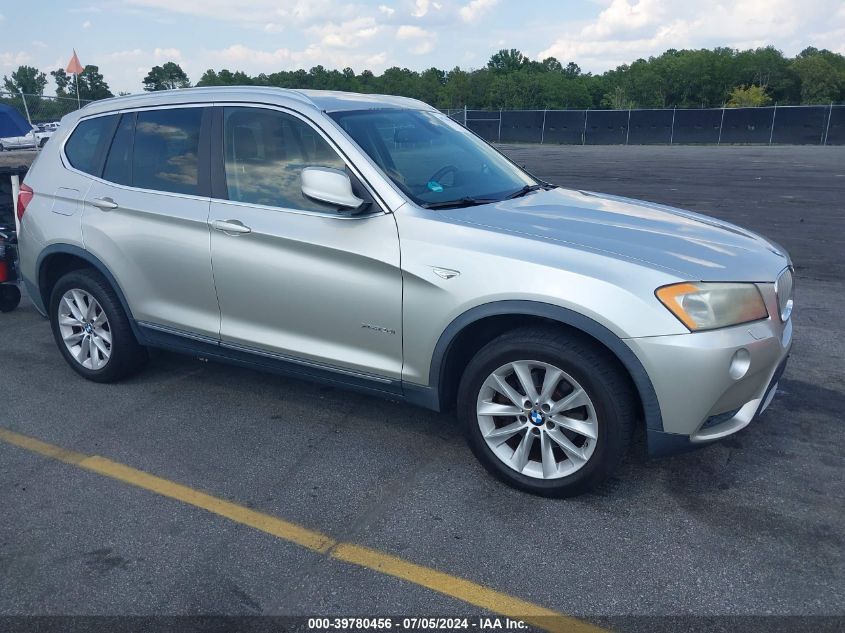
pixel 73 66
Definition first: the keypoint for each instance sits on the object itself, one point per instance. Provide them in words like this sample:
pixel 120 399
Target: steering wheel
pixel 446 169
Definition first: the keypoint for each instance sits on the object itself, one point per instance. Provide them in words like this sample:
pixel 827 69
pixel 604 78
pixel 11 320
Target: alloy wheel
pixel 537 419
pixel 85 329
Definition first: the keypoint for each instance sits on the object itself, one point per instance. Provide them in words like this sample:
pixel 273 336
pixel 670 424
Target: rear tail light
pixel 24 198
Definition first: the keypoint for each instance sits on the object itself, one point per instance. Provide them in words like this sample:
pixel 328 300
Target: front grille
pixel 784 288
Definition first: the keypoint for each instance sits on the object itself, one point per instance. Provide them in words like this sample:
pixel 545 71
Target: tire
pixel 42 142
pixel 88 350
pixel 10 297
pixel 569 454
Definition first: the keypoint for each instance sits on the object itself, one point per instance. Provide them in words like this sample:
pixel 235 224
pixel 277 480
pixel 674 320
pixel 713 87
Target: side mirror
pixel 329 185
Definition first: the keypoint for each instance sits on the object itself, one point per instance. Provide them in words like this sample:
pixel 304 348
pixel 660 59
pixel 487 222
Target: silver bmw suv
pixel 370 241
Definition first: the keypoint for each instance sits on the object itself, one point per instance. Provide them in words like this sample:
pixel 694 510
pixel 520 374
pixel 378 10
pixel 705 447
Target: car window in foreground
pixel 82 147
pixel 265 152
pixel 431 158
pixel 165 154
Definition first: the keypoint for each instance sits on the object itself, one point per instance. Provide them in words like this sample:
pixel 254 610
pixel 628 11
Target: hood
pixel 696 247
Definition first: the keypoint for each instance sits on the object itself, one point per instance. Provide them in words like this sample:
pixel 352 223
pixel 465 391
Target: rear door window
pixel 85 146
pixel 165 156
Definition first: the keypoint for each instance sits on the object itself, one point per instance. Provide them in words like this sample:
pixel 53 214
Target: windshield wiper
pixel 528 189
pixel 455 204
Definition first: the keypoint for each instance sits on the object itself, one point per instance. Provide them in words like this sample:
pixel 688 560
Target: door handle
pixel 232 227
pixel 106 204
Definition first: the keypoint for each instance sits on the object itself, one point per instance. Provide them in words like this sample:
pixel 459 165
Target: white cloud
pixel 255 61
pixel 386 9
pixel 423 7
pixel 420 8
pixel 167 55
pixel 86 24
pixel 14 60
pixel 629 29
pixel 272 27
pixel 39 44
pixel 421 41
pixel 406 32
pixel 625 16
pixel 240 56
pixel 135 53
pixel 350 34
pixel 2 17
pixel 475 9
pixel 255 13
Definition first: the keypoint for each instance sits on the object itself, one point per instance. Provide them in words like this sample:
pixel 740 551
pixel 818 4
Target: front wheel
pixel 91 328
pixel 546 412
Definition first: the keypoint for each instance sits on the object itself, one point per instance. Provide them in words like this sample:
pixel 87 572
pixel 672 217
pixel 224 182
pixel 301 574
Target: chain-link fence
pixel 783 125
pixel 38 109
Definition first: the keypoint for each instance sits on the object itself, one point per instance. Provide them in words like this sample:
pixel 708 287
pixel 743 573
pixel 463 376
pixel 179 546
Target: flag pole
pixel 76 80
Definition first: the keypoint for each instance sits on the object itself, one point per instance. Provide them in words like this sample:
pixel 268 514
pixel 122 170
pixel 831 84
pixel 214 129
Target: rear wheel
pixel 91 329
pixel 546 412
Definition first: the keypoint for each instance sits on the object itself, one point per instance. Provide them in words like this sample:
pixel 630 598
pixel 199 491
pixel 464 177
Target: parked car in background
pixel 27 141
pixel 372 242
pixel 43 132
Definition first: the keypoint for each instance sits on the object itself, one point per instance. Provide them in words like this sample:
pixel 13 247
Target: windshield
pixel 432 159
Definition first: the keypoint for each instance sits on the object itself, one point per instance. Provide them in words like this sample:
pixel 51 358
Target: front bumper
pixel 710 385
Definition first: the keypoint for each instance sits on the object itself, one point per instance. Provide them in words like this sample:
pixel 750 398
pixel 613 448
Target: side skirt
pixel 207 348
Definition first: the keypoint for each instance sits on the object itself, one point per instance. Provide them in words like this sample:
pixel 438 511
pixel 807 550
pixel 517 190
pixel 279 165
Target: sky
pixel 125 38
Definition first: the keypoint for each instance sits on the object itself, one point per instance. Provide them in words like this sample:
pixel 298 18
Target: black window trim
pixel 104 146
pixel 211 160
pixel 103 141
pixel 107 153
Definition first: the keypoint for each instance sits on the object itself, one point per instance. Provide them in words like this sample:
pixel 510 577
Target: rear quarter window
pixel 85 145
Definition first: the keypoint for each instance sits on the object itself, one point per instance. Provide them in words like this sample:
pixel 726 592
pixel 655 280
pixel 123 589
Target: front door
pixel 294 277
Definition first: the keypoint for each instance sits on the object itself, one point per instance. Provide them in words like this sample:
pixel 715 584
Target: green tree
pixel 748 97
pixel 168 76
pixel 821 76
pixel 551 64
pixel 676 78
pixel 224 78
pixel 92 84
pixel 507 61
pixel 26 79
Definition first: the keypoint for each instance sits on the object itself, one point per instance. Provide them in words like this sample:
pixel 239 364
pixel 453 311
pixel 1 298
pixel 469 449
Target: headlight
pixel 707 306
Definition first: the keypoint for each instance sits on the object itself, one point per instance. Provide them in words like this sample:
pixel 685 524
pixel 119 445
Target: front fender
pixel 564 316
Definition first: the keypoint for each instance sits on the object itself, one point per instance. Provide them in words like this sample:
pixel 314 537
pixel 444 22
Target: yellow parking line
pixel 446 584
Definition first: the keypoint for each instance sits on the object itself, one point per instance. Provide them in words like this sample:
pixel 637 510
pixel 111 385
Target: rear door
pixel 300 279
pixel 147 219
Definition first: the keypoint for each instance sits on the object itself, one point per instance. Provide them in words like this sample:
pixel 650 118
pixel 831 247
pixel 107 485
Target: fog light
pixel 740 363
